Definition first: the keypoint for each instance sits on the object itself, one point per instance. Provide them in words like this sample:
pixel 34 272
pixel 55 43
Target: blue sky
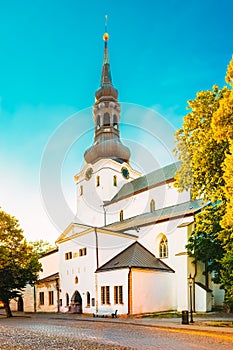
pixel 161 53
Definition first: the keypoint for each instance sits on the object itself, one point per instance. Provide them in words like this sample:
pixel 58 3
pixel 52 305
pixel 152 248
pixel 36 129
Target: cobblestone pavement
pixel 49 332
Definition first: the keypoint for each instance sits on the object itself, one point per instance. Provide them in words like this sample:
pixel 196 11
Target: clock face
pixel 125 172
pixel 88 173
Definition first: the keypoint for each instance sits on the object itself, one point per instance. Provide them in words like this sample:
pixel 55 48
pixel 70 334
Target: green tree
pixel 205 245
pixel 200 154
pixel 222 126
pixel 19 265
pixel 204 145
pixel 41 247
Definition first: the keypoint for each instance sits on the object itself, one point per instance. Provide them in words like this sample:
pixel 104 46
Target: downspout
pixel 105 217
pixel 96 248
pixel 129 291
pixel 97 266
pixel 58 295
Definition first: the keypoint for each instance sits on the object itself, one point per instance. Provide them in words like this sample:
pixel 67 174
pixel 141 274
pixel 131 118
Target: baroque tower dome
pixel 106 114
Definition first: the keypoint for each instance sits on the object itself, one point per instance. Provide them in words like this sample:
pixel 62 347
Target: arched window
pixel 88 299
pixel 98 122
pixel 115 123
pixel 106 119
pixel 152 205
pixel 97 181
pixel 163 247
pixel 67 299
pixel 114 180
pixel 76 280
pixel 81 190
pixel 121 215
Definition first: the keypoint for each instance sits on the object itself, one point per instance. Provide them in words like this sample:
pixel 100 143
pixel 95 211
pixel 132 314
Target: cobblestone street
pixel 47 332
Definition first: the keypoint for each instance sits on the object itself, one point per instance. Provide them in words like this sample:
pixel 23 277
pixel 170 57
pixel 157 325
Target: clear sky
pixel 161 53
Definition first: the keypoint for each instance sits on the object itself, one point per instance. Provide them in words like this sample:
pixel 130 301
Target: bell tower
pixel 106 114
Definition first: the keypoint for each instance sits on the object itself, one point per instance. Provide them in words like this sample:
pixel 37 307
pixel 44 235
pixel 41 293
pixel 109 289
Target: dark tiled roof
pixel 135 256
pixel 147 181
pixel 183 209
pixel 50 278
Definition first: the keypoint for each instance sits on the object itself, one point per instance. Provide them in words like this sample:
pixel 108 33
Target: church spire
pixel 106 72
pixel 106 113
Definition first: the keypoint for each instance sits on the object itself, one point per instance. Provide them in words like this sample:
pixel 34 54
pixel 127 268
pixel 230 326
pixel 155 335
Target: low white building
pixel 126 250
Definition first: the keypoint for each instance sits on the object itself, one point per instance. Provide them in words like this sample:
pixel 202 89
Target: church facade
pixel 126 249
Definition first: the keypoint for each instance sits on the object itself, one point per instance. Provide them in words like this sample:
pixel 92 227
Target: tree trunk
pixel 7 309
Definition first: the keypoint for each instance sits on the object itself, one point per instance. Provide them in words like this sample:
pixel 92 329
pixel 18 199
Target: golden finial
pixel 106 36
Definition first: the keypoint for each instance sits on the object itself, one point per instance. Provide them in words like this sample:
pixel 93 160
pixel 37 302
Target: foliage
pixel 41 247
pixel 204 145
pixel 204 244
pixel 18 263
pixel 200 154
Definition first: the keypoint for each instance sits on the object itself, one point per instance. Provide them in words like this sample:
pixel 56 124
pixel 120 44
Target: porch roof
pixel 50 278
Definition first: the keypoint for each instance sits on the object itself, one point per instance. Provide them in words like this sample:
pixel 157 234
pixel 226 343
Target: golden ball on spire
pixel 105 36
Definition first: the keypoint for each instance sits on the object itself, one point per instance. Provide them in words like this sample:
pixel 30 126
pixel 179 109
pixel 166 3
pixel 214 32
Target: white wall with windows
pixel 98 183
pixel 78 263
pixel 146 201
pixel 47 297
pixel 115 285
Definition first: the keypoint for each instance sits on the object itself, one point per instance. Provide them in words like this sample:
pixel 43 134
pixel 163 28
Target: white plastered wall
pixel 152 291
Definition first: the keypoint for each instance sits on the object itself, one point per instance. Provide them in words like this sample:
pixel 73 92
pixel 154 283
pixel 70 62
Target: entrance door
pixel 76 303
pixel 20 303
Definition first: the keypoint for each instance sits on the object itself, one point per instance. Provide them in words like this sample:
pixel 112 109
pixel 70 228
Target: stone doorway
pixel 76 303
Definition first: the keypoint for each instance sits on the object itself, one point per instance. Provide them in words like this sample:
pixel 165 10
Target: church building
pixel 126 249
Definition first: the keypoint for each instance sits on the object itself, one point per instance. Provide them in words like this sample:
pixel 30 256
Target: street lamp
pixel 190 280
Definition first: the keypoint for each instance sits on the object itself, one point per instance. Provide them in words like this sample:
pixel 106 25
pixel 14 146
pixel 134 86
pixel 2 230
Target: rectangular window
pixel 68 256
pixel 105 295
pixel 82 251
pixel 41 297
pixel 118 294
pixel 51 301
